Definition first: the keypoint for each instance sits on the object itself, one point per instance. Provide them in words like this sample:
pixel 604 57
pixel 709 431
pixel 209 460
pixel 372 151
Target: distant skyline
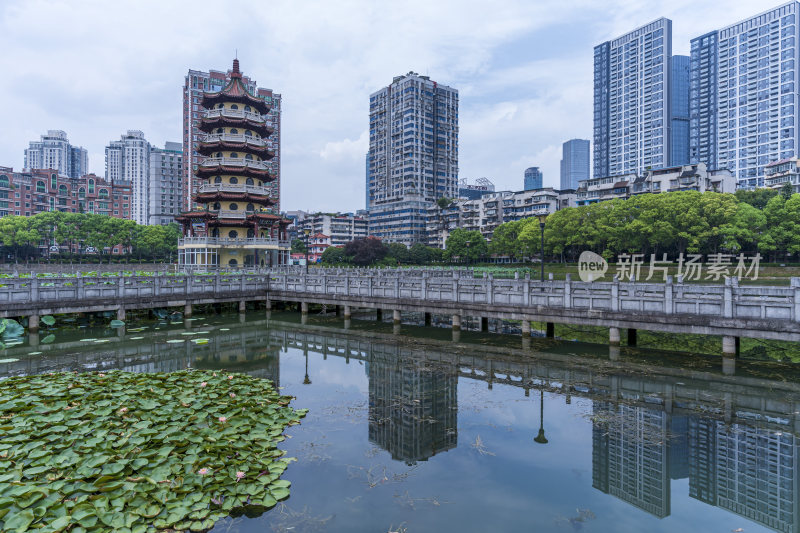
pixel 524 78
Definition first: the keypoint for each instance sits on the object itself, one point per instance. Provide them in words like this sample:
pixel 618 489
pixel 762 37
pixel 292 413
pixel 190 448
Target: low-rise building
pixel 31 192
pixel 779 173
pixel 694 177
pixel 317 244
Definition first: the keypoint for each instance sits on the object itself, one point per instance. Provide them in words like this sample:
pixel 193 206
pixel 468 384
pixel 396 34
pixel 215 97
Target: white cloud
pixel 524 71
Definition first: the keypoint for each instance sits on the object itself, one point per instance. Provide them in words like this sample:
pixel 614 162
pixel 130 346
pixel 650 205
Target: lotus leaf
pixel 135 452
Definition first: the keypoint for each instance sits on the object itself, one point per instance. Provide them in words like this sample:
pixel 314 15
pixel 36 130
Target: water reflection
pixel 730 436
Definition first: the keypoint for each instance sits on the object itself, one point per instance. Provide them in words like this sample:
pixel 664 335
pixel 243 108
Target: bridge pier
pixel 551 330
pixel 33 323
pixel 347 323
pixel 729 346
pixel 613 336
pixel 187 310
pixel 484 323
pixel 268 304
pixel 631 337
pixel 728 366
pixel 526 328
pixel 121 313
pixel 347 312
pixel 396 317
pixel 456 335
pixel 613 353
pixel 427 319
pixel 304 307
pixel 33 339
pixel 396 328
pixel 456 322
pixel 242 306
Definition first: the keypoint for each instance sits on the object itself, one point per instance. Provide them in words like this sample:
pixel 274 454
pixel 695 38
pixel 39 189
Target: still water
pixel 410 431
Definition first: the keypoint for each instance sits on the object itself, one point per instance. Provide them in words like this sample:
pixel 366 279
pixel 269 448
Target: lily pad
pixel 200 341
pixel 9 360
pixel 48 320
pixel 139 451
pixel 117 323
pixel 50 338
pixel 175 341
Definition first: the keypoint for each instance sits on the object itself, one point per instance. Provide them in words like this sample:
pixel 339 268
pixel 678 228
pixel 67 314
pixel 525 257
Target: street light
pixel 540 437
pixel 542 218
pixel 307 231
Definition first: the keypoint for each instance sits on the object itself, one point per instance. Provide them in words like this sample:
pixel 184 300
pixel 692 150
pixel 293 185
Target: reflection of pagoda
pixel 235 227
pixel 412 409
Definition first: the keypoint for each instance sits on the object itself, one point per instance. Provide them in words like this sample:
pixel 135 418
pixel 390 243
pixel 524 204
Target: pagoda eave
pixel 208 148
pixel 248 172
pixel 209 100
pixel 239 197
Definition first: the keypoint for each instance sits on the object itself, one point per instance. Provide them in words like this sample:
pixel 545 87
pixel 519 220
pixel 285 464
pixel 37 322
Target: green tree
pixel 367 251
pixel 465 245
pixel 298 246
pixel 758 198
pixel 399 252
pixel 333 255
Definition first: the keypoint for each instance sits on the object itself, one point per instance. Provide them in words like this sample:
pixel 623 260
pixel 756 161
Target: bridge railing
pixel 420 287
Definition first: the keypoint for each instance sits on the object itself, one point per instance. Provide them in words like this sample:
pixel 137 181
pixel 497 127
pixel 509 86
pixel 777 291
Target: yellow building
pixel 234 227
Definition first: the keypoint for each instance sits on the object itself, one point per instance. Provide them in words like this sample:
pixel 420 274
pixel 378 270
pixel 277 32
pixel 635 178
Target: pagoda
pixel 234 226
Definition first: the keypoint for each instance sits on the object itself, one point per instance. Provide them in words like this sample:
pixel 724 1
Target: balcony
pixel 226 213
pixel 226 241
pixel 234 162
pixel 237 188
pixel 235 113
pixel 235 138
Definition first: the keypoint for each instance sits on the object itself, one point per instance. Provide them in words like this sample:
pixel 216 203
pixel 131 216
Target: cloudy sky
pixel 523 69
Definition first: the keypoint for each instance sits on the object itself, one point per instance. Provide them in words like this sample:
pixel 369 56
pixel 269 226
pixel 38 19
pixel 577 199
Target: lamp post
pixel 540 438
pixel 306 231
pixel 542 218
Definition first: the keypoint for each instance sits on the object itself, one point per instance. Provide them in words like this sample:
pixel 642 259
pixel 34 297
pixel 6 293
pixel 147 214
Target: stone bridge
pixel 729 310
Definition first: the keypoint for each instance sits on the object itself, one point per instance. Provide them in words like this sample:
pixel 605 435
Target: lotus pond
pixel 405 431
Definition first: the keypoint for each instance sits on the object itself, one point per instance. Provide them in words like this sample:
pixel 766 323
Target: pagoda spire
pixel 235 72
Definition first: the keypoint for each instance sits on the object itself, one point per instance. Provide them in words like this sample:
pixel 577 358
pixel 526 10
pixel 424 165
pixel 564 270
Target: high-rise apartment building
pixel 413 155
pixel 574 163
pixel 128 161
pixel 165 184
pixel 53 151
pixel 533 178
pixel 679 111
pixel 744 93
pixel 634 101
pixel 195 83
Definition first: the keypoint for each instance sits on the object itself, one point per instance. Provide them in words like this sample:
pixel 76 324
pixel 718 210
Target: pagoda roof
pixel 207 124
pixel 235 91
pixel 209 147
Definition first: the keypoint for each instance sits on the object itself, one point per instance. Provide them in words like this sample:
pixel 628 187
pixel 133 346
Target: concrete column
pixel 121 313
pixel 484 323
pixel 631 337
pixel 526 328
pixel 396 329
pixel 456 335
pixel 187 310
pixel 33 323
pixel 33 339
pixel 379 314
pixel 427 319
pixel 526 343
pixel 456 321
pixel 242 306
pixel 347 312
pixel 304 307
pixel 396 316
pixel 347 323
pixel 551 330
pixel 268 304
pixel 613 336
pixel 729 346
pixel 304 318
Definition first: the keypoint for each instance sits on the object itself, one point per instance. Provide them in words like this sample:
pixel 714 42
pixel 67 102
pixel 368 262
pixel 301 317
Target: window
pixel 216 205
pixel 247 108
pixel 53 181
pixel 219 154
pixel 102 193
pixel 81 193
pixel 249 181
pixel 40 186
pixel 220 130
pixel 233 234
pixel 250 208
pixel 217 179
pixel 4 181
pixel 234 180
pixel 233 207
pixel 234 131
pixel 215 232
pixel 234 155
pixel 251 234
pixel 248 157
pixel 234 106
pixel 91 186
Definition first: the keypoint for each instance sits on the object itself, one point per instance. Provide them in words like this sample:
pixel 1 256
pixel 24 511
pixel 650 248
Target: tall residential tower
pixel 128 161
pixel 54 151
pixel 533 178
pixel 413 155
pixel 634 102
pixel 744 94
pixel 574 163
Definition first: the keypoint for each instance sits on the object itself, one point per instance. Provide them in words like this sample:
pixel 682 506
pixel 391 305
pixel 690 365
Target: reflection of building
pixel 412 409
pixel 630 459
pixel 749 471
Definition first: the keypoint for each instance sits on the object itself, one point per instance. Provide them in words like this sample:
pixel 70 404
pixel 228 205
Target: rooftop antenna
pixel 236 53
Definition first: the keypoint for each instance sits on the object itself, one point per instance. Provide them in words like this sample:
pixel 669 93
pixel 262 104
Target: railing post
pixel 668 297
pixel 526 289
pixel 795 284
pixel 490 290
pixel 727 299
pixel 242 277
pixel 614 294
pixel 397 287
pixel 120 286
pixel 217 281
pixel 156 285
pixel 80 289
pixel 424 285
pixel 455 288
pixel 33 287
pixel 568 291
